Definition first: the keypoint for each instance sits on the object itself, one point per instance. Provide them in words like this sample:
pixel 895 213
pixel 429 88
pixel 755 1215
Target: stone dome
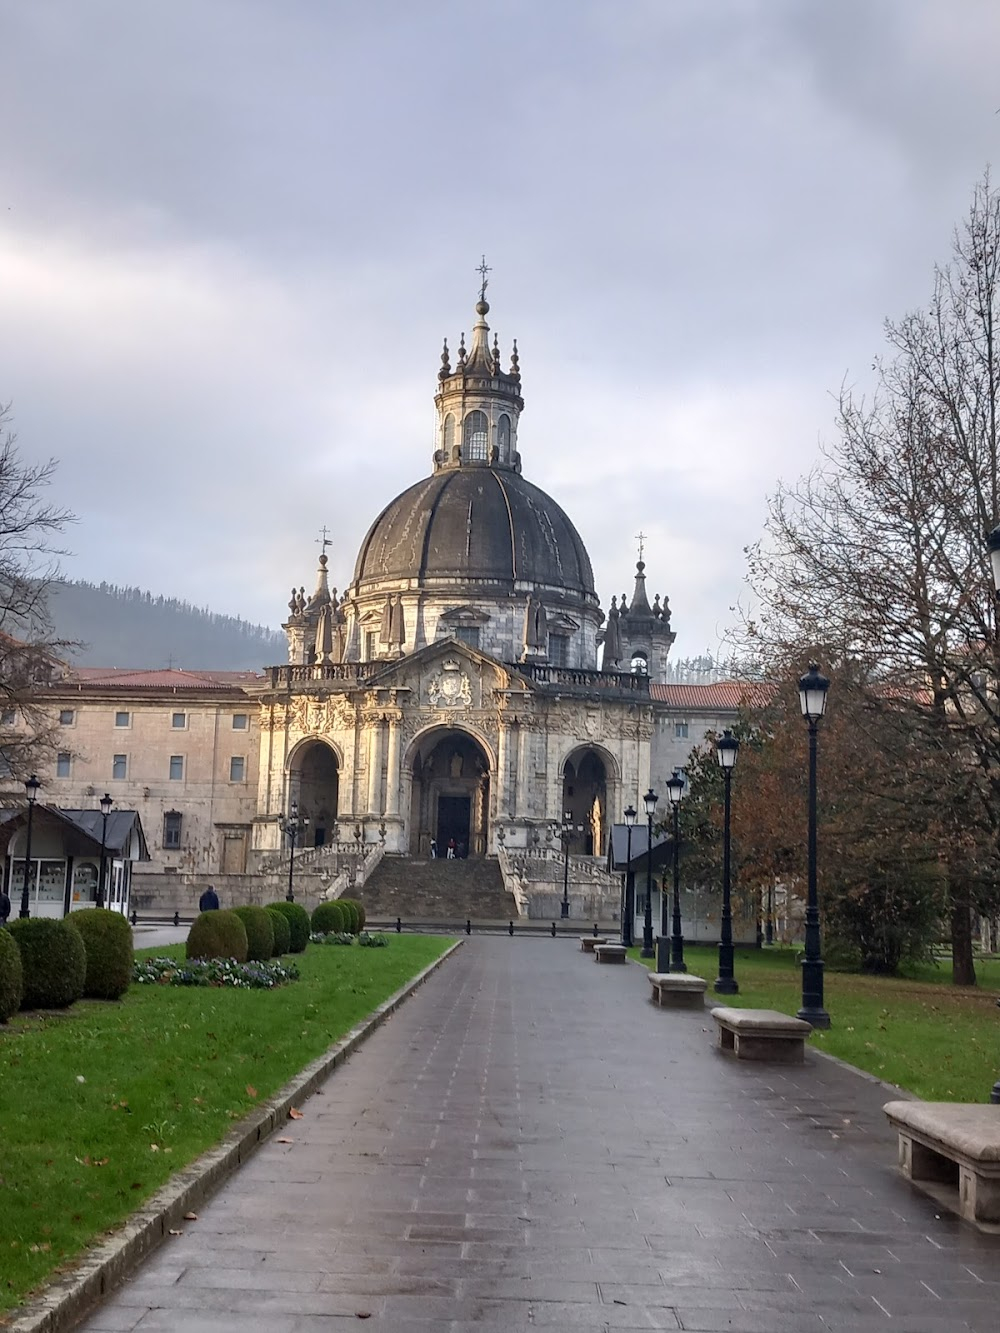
pixel 476 524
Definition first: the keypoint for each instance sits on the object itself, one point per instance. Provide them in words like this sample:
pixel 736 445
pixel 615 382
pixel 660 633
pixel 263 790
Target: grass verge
pixel 103 1102
pixel 939 1041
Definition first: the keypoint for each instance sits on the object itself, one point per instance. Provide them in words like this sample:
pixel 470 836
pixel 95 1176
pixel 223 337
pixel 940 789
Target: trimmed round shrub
pixel 53 962
pixel 217 935
pixel 361 915
pixel 260 932
pixel 11 976
pixel 107 941
pixel 298 923
pixel 353 916
pixel 328 919
pixel 282 931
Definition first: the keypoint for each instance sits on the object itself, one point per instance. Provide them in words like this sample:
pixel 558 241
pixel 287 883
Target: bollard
pixel 177 917
pixel 468 927
pixel 510 927
pixel 553 930
pixel 399 925
pixel 595 930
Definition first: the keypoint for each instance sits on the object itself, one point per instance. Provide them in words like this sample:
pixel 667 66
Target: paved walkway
pixel 530 1144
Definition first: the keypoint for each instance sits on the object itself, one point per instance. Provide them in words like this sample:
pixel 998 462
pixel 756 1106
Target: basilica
pixel 466 691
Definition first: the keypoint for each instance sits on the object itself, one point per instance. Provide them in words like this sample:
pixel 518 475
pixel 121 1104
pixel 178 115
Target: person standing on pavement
pixel 209 900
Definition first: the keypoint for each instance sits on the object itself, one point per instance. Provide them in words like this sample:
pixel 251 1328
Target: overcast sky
pixel 234 232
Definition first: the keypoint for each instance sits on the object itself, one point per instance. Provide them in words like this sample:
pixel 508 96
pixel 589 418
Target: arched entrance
pixel 450 795
pixel 585 800
pixel 314 781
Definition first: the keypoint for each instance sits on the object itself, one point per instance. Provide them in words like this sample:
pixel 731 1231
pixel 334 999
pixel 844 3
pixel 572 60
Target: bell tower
pixel 478 404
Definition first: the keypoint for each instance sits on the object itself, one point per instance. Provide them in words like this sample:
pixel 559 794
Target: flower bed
pixel 365 940
pixel 214 972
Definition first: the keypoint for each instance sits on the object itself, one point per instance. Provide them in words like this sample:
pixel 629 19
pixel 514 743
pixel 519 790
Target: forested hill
pixel 126 627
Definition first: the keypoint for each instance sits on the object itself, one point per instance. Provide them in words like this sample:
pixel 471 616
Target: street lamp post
pixel 813 690
pixel 727 747
pixel 106 803
pixel 675 790
pixel 291 827
pixel 565 837
pixel 647 950
pixel 31 791
pixel 628 918
pixel 769 923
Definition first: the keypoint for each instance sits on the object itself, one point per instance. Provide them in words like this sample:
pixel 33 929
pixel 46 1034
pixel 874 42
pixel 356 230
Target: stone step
pixel 438 890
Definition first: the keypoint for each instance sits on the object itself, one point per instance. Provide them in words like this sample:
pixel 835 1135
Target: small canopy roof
pixel 619 848
pixel 83 829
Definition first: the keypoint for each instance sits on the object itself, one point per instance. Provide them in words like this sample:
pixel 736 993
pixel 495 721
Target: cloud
pixel 233 234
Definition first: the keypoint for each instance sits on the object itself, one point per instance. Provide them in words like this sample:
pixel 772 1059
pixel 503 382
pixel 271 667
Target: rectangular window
pixel 119 765
pixel 176 767
pixel 558 649
pixel 67 717
pixel 64 765
pixel 370 646
pixel 237 768
pixel 239 722
pixel 172 828
pixel 179 721
pixel 468 634
pixel 681 730
pixel 122 719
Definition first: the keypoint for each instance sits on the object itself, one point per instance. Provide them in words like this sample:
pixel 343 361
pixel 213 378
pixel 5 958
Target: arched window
pixel 449 434
pixel 503 437
pixel 640 664
pixel 475 437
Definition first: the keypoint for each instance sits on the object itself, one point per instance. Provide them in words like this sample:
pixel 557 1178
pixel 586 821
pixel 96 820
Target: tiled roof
pixel 175 678
pixel 724 695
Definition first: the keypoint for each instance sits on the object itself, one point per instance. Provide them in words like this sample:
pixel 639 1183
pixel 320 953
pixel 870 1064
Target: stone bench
pixel 590 942
pixel 610 953
pixel 762 1034
pixel 951 1150
pixel 677 990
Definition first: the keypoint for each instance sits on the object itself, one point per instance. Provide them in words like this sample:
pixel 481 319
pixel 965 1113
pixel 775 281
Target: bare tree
pixel 29 655
pixel 879 554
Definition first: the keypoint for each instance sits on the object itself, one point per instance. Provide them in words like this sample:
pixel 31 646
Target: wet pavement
pixel 529 1143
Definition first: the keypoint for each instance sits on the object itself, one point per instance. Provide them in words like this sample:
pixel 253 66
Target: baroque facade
pixel 466 687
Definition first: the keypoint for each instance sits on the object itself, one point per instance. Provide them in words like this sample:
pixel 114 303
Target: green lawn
pixel 940 1041
pixel 102 1102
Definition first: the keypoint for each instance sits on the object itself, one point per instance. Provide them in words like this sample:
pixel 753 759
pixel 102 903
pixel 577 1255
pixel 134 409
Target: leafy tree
pixel 879 868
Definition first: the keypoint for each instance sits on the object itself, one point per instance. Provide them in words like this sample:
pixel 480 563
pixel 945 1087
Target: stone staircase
pixel 440 890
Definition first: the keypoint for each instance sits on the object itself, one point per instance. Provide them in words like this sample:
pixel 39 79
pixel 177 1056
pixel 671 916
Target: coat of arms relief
pixel 450 688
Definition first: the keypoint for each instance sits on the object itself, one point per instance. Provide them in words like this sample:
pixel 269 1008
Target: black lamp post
pixel 727 747
pixel 106 804
pixel 628 920
pixel 769 922
pixel 675 790
pixel 647 950
pixel 813 690
pixel 31 791
pixel 565 837
pixel 291 827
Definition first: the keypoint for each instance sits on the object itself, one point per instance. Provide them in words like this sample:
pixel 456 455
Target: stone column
pixel 501 782
pixel 392 775
pixel 521 781
pixel 375 767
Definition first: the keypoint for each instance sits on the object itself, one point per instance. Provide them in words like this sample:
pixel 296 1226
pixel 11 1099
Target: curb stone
pixel 66 1300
